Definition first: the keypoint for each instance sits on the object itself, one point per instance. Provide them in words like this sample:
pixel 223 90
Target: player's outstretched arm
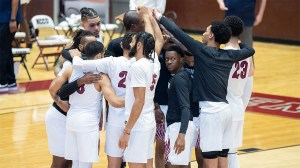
pixel 99 65
pixel 191 44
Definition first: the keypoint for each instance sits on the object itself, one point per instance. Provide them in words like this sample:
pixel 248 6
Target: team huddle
pixel 161 86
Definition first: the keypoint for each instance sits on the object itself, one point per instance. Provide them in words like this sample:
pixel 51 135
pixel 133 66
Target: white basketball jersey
pixel 236 83
pixel 85 107
pixel 117 70
pixel 142 73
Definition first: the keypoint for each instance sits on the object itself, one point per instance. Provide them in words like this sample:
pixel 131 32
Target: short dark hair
pixel 131 17
pixel 177 49
pixel 78 35
pixel 235 24
pixel 222 33
pixel 88 13
pixel 93 48
pixel 127 40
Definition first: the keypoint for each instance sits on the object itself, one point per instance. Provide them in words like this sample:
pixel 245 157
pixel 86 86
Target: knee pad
pixel 210 155
pixel 224 153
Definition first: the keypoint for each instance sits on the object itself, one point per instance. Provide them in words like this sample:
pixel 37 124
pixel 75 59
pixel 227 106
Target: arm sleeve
pixel 138 78
pixel 66 55
pixel 68 89
pixel 243 53
pixel 99 65
pixel 192 45
pixel 182 90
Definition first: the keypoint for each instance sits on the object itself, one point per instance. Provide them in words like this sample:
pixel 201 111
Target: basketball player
pixel 161 106
pixel 117 69
pixel 189 67
pixel 56 115
pixel 212 68
pixel 81 138
pixel 138 135
pixel 90 21
pixel 236 83
pixel 133 22
pixel 181 129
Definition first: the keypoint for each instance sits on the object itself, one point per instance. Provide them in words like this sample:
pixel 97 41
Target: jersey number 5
pixel 121 83
pixel 243 73
pixel 153 81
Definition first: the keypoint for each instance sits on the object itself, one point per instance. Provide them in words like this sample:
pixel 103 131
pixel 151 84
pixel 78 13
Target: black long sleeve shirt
pixel 194 105
pixel 161 91
pixel 179 102
pixel 212 65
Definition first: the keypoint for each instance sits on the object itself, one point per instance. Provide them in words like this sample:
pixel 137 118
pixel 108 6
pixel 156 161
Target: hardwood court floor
pixel 270 141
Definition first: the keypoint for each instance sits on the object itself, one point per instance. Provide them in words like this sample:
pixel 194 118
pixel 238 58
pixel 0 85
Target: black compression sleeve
pixel 65 53
pixel 68 89
pixel 183 95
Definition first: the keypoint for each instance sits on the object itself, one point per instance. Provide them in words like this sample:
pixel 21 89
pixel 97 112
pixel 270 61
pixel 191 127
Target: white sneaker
pixel 3 88
pixel 12 87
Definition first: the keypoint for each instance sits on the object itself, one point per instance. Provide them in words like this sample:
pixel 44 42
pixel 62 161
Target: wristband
pixel 158 16
pixel 12 20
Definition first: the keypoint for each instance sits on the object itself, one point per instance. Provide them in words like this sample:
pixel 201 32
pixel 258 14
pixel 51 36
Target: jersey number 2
pixel 243 73
pixel 123 75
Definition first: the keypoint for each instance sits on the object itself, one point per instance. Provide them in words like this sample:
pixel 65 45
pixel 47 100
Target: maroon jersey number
pixel 122 75
pixel 238 66
pixel 81 89
pixel 154 76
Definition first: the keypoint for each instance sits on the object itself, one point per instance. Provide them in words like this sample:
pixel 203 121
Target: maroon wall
pixel 281 19
pixel 39 7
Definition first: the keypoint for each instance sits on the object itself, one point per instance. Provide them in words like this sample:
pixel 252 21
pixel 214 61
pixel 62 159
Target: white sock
pixel 233 161
pixel 85 165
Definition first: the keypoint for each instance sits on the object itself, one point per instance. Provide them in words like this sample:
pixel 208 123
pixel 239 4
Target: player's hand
pixel 258 20
pixel 143 10
pixel 223 7
pixel 13 26
pixel 88 78
pixel 75 52
pixel 156 14
pixel 123 141
pixel 179 143
pixel 167 39
pixel 64 105
pixel 159 115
